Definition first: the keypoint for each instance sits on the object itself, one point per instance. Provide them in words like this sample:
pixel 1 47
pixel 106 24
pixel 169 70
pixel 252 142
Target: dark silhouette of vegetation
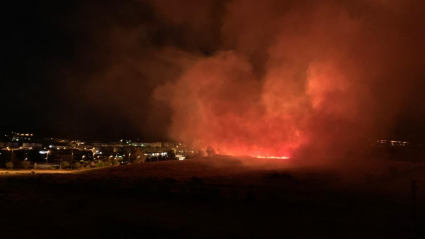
pixel 9 165
pixel 64 164
pixel 25 164
pixel 76 165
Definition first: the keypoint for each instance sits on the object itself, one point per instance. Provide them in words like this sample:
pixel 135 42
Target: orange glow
pixel 270 157
pixel 308 97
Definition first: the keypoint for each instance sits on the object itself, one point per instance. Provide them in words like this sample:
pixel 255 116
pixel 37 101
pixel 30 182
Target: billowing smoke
pixel 277 78
pixel 292 76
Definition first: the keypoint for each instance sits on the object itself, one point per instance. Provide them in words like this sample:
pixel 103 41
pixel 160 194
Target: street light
pixel 72 158
pixel 47 156
pixel 11 156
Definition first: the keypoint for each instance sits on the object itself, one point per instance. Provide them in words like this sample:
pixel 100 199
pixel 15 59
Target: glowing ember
pixel 270 157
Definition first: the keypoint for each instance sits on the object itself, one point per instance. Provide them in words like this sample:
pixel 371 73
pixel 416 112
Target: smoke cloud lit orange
pixel 267 78
pixel 308 94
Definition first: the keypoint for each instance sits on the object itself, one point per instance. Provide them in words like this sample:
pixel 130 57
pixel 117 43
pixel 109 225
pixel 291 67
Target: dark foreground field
pixel 218 197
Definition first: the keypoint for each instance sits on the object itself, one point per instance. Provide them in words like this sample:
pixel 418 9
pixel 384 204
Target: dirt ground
pixel 216 197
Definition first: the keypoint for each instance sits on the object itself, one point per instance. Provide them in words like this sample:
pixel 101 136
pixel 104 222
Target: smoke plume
pixel 272 77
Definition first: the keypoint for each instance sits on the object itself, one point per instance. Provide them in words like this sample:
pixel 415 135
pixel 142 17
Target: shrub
pixel 88 167
pixel 99 165
pixel 76 165
pixel 116 163
pixel 107 164
pixel 25 164
pixel 9 165
pixel 64 164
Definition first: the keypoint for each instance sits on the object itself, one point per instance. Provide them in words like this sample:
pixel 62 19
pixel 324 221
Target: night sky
pixel 94 69
pixel 49 51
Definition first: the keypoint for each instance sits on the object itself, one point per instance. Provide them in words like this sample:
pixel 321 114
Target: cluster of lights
pixel 157 154
pixel 270 157
pixel 18 134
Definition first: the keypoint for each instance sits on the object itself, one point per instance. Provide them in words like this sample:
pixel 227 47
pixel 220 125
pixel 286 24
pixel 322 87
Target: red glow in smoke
pixel 308 90
pixel 270 157
pixel 220 103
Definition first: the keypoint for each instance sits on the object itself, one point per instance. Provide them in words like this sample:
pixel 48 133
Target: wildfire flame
pixel 270 157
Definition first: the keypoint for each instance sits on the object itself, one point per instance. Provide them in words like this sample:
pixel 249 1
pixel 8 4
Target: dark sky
pixel 49 51
pixel 94 69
